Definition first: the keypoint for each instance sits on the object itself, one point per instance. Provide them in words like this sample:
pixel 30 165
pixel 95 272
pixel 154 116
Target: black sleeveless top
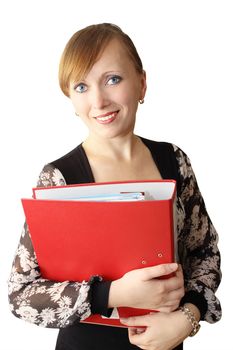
pixel 75 168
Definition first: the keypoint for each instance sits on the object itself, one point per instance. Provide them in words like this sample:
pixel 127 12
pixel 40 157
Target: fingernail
pixel 173 266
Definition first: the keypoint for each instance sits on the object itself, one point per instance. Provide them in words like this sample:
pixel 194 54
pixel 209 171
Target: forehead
pixel 114 57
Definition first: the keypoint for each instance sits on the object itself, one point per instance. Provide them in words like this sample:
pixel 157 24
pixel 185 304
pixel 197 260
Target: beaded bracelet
pixel 190 316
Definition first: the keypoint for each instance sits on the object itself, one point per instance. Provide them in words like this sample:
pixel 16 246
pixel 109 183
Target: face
pixel 107 98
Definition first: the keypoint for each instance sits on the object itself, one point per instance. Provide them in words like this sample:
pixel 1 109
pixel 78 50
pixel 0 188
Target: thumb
pixel 158 271
pixel 135 321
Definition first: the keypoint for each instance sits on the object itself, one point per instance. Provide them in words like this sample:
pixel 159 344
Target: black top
pixel 61 305
pixel 75 168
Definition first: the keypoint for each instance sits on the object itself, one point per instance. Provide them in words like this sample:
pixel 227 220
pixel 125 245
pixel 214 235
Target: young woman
pixel 102 74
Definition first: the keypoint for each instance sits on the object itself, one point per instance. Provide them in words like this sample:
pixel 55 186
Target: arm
pixel 43 302
pixel 197 242
pixel 200 259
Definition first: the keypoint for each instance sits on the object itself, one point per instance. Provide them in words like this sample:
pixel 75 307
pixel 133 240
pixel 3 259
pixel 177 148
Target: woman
pixel 101 72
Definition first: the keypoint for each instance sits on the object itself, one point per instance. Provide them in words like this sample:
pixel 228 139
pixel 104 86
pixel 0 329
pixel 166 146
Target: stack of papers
pixel 113 197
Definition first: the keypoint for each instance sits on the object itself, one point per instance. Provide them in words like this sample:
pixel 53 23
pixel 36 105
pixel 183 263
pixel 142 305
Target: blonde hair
pixel 84 48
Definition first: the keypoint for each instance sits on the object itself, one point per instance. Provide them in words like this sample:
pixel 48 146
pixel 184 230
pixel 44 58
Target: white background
pixel 186 47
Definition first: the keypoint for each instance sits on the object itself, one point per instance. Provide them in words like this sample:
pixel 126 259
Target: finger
pixel 179 271
pixel 135 338
pixel 174 295
pixel 135 321
pixel 158 271
pixel 174 283
pixel 133 331
pixel 167 309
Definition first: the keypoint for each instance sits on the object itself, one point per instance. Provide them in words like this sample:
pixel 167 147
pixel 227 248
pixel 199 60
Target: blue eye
pixel 81 88
pixel 114 80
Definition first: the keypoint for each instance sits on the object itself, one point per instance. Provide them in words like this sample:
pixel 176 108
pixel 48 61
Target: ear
pixel 143 85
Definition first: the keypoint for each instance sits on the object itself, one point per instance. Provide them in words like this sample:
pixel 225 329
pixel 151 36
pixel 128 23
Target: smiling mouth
pixel 107 118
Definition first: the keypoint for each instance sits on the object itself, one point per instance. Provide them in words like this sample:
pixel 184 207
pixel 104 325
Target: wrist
pixel 114 297
pixel 194 309
pixel 192 315
pixel 197 299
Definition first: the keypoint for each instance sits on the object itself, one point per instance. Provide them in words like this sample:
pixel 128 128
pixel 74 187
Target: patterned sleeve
pixel 197 241
pixel 46 303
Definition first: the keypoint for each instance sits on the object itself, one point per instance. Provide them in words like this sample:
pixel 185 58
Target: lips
pixel 106 118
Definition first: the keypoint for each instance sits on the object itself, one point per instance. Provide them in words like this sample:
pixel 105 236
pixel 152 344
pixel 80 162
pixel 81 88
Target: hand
pixel 164 331
pixel 143 289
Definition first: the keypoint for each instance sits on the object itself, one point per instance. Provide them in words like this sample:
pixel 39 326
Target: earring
pixel 141 101
pixel 77 114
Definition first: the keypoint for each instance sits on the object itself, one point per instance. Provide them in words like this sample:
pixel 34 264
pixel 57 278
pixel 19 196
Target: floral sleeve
pixel 34 299
pixel 197 241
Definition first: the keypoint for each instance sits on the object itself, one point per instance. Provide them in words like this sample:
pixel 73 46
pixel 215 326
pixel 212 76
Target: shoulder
pixel 172 161
pixel 170 149
pixel 53 173
pixel 184 163
pixel 164 147
pixel 167 151
pixel 73 166
pixel 68 157
pixel 50 176
pixel 158 146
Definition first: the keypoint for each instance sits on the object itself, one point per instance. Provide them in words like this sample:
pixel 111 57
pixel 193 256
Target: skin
pixel 107 101
pixel 105 90
pixel 163 331
pixel 142 288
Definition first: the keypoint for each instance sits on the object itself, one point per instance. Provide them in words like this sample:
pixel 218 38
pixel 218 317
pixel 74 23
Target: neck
pixel 121 148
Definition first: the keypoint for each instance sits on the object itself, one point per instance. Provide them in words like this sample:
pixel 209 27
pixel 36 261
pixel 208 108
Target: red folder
pixel 75 239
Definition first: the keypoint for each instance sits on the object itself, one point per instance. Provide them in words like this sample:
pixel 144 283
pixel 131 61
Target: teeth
pixel 106 118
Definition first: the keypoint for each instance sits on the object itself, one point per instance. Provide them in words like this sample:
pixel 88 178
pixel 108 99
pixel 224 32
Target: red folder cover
pixel 75 239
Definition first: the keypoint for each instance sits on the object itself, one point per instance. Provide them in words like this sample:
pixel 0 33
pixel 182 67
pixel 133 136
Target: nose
pixel 99 98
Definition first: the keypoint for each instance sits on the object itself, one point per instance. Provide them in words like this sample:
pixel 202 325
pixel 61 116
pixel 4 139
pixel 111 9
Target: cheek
pixel 128 99
pixel 79 105
pixel 73 101
pixel 132 103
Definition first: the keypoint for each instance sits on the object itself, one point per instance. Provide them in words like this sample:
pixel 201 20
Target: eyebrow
pixel 114 72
